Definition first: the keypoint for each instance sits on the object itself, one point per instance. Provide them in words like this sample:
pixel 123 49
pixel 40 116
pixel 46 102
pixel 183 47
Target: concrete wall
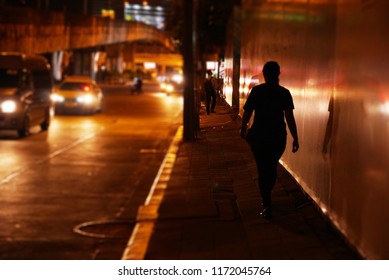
pixel 33 31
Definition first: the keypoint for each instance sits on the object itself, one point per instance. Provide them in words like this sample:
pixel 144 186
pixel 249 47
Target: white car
pixel 25 88
pixel 78 94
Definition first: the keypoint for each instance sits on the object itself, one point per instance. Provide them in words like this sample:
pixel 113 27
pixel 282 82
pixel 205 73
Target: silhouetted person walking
pixel 272 104
pixel 210 93
pixel 138 85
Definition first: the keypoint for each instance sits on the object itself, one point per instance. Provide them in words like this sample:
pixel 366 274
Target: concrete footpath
pixel 205 205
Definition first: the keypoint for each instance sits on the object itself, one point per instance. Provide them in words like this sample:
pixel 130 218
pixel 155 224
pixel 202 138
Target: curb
pixel 148 212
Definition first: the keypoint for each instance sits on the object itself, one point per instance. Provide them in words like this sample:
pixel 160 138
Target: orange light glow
pixel 86 88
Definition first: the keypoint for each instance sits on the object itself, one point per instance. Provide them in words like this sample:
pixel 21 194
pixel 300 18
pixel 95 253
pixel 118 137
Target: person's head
pixel 209 73
pixel 271 71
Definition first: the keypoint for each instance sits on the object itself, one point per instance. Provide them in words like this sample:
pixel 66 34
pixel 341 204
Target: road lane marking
pixel 68 147
pixel 16 173
pixel 148 212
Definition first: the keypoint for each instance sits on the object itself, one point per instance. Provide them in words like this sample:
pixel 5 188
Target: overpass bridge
pixel 63 37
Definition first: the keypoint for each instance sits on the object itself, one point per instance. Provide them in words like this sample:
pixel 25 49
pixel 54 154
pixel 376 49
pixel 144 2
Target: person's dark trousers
pixel 210 102
pixel 267 154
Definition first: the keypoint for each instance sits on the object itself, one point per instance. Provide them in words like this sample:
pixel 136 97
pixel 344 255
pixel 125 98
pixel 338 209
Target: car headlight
pixel 87 99
pixel 57 98
pixel 169 88
pixel 8 106
pixel 178 78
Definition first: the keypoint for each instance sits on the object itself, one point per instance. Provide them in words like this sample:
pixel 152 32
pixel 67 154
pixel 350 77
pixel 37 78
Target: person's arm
pixel 292 128
pixel 245 120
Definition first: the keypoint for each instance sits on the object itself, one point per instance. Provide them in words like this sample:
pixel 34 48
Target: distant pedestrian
pixel 272 104
pixel 136 87
pixel 210 93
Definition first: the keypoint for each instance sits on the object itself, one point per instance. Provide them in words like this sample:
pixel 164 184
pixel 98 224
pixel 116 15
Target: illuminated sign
pixel 108 13
pixel 153 15
pixel 149 65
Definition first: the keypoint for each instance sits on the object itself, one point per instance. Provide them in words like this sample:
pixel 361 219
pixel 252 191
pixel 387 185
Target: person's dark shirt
pixel 269 101
pixel 208 86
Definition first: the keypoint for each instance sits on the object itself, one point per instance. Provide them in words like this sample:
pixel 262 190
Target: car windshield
pixel 9 78
pixel 75 86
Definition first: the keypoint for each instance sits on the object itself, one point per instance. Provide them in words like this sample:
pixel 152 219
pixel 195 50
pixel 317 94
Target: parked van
pixel 25 88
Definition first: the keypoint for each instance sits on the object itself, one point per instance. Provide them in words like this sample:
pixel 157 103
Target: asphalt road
pixel 73 192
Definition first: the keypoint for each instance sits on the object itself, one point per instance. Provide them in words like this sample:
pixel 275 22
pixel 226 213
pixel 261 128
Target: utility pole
pixel 189 47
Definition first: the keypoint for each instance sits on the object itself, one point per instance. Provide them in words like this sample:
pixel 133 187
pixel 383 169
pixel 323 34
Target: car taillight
pixel 86 88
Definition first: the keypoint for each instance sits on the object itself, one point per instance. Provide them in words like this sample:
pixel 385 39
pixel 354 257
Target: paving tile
pixel 211 205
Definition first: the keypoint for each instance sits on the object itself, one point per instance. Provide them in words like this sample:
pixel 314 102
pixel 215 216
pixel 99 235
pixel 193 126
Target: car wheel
pixel 45 124
pixel 25 129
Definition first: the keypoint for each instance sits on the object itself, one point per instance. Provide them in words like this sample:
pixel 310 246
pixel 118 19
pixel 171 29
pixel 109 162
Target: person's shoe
pixel 213 111
pixel 267 213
